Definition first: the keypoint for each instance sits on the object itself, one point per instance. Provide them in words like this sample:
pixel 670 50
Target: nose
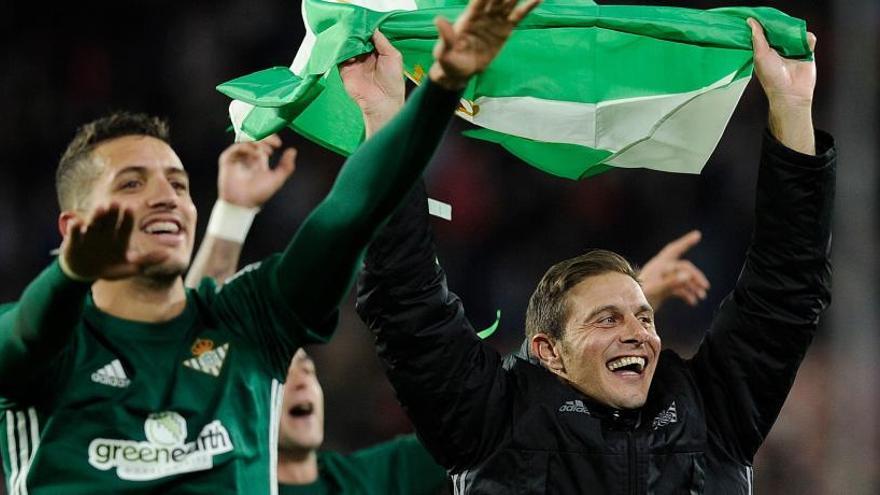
pixel 163 195
pixel 635 333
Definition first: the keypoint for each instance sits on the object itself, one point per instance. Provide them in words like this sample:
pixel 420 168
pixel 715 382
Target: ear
pixel 64 220
pixel 546 349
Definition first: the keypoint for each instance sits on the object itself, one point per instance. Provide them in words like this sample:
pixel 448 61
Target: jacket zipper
pixel 631 451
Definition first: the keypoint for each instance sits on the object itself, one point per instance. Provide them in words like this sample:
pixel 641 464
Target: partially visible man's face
pixel 144 174
pixel 302 415
pixel 610 346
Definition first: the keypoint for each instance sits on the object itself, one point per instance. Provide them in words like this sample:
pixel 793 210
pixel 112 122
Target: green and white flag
pixel 578 88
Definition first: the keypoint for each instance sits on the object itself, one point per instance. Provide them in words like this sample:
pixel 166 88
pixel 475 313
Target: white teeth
pixel 162 227
pixel 627 361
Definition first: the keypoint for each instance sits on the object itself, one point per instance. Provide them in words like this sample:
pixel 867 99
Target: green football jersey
pixel 398 467
pixel 190 406
pixel 186 406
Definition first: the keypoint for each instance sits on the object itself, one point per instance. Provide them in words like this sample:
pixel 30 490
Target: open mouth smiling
pixel 627 365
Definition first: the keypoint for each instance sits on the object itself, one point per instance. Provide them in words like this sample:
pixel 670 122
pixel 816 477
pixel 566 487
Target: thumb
pixel 383 46
pixel 286 165
pixel 759 40
pixel 811 41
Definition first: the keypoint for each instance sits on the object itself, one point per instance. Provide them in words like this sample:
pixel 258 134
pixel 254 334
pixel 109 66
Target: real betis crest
pixel 206 358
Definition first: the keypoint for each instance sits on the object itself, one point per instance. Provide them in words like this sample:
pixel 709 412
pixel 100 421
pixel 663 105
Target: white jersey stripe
pixel 33 425
pixel 13 451
pixel 277 399
pixel 23 450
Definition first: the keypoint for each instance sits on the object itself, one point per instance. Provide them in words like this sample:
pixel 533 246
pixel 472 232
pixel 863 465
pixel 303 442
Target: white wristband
pixel 231 222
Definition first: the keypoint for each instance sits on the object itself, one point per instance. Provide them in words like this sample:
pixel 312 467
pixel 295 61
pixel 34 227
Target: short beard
pixel 164 274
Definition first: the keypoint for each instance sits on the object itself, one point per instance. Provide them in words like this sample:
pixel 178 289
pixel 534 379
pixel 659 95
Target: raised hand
pixel 375 82
pixel 245 178
pixel 469 46
pixel 668 275
pixel 98 248
pixel 789 86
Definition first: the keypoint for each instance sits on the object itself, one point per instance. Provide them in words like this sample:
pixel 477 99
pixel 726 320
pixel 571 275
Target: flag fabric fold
pixel 578 88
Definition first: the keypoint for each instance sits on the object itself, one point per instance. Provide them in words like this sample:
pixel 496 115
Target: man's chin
pixel 167 271
pixel 300 444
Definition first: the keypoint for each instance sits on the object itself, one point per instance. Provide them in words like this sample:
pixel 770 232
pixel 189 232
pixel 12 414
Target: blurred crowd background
pixel 65 64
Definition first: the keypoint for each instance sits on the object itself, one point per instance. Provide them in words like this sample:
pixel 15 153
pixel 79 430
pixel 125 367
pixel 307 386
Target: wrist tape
pixel 231 222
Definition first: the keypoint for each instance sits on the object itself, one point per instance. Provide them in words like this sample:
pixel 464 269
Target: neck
pixel 143 299
pixel 297 467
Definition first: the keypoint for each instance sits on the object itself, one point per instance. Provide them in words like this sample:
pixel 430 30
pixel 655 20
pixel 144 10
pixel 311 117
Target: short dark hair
pixel 76 171
pixel 548 306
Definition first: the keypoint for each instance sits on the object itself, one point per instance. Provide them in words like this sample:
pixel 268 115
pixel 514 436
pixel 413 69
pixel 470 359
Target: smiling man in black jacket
pixel 590 404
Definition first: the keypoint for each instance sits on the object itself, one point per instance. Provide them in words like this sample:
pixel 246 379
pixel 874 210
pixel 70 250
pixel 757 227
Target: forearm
pixel 792 125
pixel 217 258
pixel 792 236
pixel 41 324
pixel 748 361
pixel 317 268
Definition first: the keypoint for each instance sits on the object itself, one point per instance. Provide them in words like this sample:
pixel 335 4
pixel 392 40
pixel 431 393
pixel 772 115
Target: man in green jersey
pixel 397 467
pixel 400 466
pixel 115 379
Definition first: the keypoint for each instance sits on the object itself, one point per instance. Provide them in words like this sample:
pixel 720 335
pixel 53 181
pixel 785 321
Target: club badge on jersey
pixel 206 357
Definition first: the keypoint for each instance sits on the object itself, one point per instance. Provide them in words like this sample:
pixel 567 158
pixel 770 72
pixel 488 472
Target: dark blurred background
pixel 63 65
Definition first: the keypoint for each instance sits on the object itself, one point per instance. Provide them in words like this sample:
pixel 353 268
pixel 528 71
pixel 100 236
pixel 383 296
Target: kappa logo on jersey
pixel 576 406
pixel 666 417
pixel 112 375
pixel 207 359
pixel 165 453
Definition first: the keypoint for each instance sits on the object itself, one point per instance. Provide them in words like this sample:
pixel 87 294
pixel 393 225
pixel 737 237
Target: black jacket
pixel 508 426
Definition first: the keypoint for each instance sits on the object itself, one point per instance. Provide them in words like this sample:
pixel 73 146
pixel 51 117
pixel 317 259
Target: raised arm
pixel 451 384
pixel 244 183
pixel 317 269
pixel 747 363
pixel 35 330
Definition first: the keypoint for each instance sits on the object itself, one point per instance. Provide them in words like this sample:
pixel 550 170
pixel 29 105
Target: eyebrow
pixel 611 307
pixel 140 169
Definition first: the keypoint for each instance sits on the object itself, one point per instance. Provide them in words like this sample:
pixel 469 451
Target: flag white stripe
pixel 13 451
pixel 610 125
pixel 238 112
pixel 274 419
pixel 305 49
pixel 120 372
pixel 686 138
